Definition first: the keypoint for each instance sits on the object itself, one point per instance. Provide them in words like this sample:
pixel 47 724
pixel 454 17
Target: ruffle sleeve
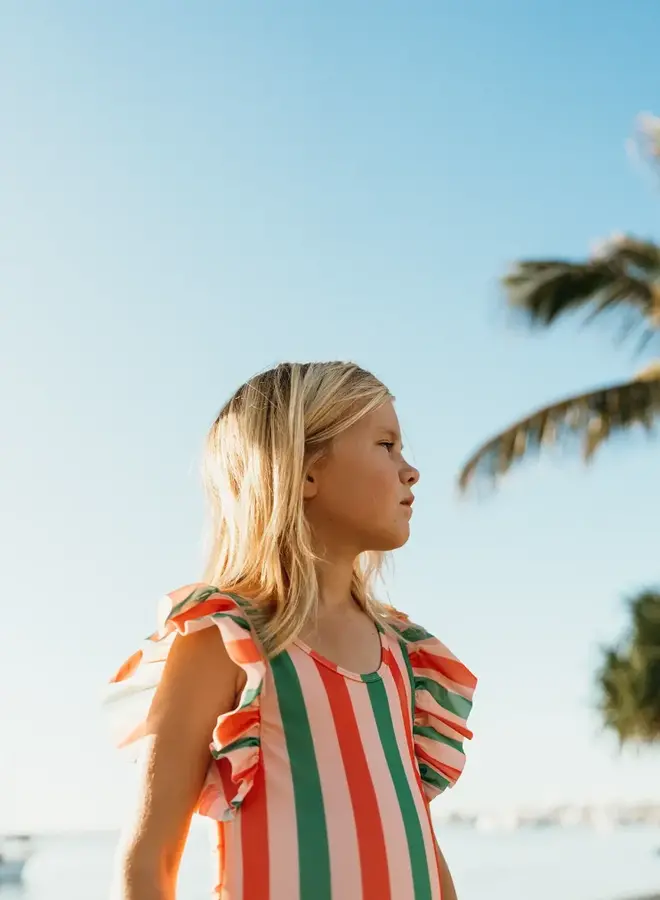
pixel 235 745
pixel 443 692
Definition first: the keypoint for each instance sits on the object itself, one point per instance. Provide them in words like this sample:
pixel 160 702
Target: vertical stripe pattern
pixel 313 848
pixel 319 778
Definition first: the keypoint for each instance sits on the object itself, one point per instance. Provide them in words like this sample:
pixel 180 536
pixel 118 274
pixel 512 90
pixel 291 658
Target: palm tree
pixel 622 275
pixel 628 680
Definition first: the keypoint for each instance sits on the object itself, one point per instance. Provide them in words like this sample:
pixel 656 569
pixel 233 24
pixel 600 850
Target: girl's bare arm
pixel 447 889
pixel 199 683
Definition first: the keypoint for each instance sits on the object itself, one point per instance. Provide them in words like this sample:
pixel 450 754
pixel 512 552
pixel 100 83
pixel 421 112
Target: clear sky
pixel 192 192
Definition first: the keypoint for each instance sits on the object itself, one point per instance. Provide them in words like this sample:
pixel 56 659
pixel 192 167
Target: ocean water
pixel 551 864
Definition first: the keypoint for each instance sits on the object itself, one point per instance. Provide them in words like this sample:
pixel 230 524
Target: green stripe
pixel 199 595
pixel 412 633
pixel 416 849
pixel 249 695
pixel 176 609
pixel 435 779
pixel 238 744
pixel 313 849
pixel 428 732
pixel 447 699
pixel 228 615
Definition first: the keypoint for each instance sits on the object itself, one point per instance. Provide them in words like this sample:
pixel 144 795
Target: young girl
pixel 278 697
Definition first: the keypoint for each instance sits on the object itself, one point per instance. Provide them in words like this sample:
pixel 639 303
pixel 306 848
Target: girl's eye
pixel 388 444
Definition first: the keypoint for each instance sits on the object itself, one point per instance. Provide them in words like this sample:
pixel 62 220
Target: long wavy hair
pixel 255 462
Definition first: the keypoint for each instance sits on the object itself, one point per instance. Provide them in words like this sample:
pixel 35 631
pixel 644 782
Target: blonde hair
pixel 256 457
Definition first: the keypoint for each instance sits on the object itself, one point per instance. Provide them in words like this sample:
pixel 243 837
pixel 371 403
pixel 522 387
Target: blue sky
pixel 193 192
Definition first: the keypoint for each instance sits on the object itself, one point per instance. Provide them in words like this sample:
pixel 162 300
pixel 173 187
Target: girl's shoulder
pixel 235 741
pixel 183 611
pixel 203 604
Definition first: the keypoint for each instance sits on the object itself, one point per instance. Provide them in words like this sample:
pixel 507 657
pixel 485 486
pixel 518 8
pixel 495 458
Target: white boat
pixel 15 851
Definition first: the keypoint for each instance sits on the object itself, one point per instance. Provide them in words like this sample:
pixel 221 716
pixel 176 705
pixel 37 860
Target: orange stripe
pixel 224 770
pixel 254 841
pixel 396 842
pixel 406 710
pixel 244 651
pixel 215 604
pixel 443 723
pixel 128 668
pixel 371 840
pixel 450 668
pixel 235 725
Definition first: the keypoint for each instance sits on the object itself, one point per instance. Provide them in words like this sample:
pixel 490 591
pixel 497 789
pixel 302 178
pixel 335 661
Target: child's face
pixel 358 496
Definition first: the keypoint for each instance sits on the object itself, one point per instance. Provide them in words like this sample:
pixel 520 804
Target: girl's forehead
pixel 383 418
pixel 384 415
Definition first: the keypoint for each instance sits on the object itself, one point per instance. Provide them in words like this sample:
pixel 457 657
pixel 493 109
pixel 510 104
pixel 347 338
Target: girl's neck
pixel 334 578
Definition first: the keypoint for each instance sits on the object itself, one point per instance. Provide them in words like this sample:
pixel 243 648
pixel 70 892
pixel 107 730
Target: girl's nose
pixel 412 476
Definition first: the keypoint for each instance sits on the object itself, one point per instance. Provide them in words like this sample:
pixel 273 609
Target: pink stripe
pixel 445 754
pixel 398 860
pixel 414 781
pixel 236 844
pixel 396 651
pixel 231 876
pixel 427 704
pixel 340 819
pixel 280 801
pixel 454 687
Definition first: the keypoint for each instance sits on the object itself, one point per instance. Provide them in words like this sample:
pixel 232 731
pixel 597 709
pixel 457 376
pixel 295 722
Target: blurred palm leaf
pixel 590 418
pixel 623 275
pixel 628 680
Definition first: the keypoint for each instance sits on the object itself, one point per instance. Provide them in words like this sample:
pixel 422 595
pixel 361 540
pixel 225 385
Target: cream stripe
pixel 396 842
pixel 410 765
pixel 428 704
pixel 280 801
pixel 235 868
pixel 441 752
pixel 339 815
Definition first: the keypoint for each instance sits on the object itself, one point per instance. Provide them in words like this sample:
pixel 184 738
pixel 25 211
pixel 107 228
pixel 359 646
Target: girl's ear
pixel 312 476
pixel 310 487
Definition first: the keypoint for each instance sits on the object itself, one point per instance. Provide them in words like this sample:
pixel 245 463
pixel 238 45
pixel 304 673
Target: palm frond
pixel 642 256
pixel 623 275
pixel 628 679
pixel 592 418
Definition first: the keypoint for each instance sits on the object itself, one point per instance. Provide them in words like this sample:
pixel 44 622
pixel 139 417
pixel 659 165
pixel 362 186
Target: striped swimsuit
pixel 320 779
